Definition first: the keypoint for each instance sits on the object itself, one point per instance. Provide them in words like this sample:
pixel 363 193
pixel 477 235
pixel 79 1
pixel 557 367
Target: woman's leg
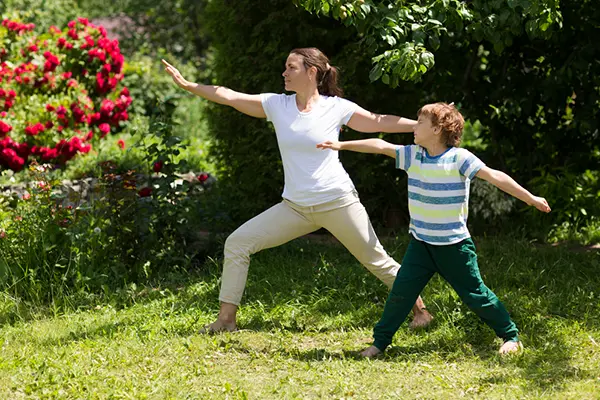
pixel 274 227
pixel 351 226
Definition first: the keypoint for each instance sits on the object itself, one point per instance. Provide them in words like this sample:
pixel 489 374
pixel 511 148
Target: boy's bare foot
pixel 510 347
pixel 370 352
pixel 421 319
pixel 217 327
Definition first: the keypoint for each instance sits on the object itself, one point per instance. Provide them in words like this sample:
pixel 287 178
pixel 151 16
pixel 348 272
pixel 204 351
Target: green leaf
pixel 375 73
pixel 385 79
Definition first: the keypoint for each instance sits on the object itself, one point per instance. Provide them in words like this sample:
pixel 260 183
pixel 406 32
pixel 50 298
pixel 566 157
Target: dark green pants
pixel 457 264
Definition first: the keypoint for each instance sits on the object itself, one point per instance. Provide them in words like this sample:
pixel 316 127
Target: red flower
pixel 4 128
pixel 158 166
pixel 104 128
pixel 203 177
pixel 145 192
pixel 121 143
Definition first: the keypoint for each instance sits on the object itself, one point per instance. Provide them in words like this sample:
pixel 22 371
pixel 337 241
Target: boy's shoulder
pixel 461 152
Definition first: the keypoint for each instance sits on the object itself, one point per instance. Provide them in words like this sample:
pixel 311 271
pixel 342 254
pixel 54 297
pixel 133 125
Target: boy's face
pixel 425 133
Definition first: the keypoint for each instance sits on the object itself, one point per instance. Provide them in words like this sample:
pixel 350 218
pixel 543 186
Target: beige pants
pixel 346 218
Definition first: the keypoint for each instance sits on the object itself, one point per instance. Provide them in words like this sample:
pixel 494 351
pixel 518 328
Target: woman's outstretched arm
pixel 249 104
pixel 366 121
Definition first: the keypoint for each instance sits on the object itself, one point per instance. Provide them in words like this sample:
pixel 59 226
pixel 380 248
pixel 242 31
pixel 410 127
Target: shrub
pixel 135 227
pixel 60 91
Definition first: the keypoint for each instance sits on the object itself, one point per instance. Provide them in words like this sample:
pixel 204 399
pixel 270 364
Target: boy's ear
pixel 437 130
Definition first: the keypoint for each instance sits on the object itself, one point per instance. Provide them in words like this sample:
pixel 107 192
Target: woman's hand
pixel 176 75
pixel 330 145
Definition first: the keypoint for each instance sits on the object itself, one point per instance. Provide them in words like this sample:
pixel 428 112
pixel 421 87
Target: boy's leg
pixel 458 265
pixel 417 269
pixel 275 226
pixel 352 227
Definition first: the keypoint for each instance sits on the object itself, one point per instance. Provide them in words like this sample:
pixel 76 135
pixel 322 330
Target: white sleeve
pixel 404 155
pixel 270 101
pixel 346 109
pixel 469 163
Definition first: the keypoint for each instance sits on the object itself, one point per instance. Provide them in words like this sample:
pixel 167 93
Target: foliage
pixel 404 34
pixel 576 210
pixel 151 27
pixel 60 91
pixel 134 226
pixel 43 12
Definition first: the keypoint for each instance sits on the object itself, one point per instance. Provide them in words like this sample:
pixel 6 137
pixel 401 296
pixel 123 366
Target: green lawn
pixel 309 308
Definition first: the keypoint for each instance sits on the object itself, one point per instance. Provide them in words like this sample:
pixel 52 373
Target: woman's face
pixel 295 76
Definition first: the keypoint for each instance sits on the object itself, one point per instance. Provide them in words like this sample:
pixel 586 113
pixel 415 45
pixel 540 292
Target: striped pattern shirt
pixel 438 192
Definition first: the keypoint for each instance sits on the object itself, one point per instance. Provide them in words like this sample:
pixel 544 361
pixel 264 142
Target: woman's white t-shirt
pixel 312 176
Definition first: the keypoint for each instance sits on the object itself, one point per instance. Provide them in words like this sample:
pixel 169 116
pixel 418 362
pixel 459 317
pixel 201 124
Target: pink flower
pixel 26 196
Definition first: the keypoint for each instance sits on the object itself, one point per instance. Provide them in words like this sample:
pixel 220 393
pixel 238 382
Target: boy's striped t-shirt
pixel 438 192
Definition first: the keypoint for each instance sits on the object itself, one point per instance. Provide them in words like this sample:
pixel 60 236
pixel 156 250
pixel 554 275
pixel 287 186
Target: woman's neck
pixel 305 100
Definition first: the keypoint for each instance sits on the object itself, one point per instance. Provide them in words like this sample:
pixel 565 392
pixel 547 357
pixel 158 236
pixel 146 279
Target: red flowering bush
pixel 59 92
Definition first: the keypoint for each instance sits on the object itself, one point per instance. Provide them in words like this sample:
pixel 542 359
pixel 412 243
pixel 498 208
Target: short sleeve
pixel 269 102
pixel 469 164
pixel 404 157
pixel 346 109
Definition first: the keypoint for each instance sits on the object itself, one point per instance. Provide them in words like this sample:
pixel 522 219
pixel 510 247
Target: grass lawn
pixel 309 308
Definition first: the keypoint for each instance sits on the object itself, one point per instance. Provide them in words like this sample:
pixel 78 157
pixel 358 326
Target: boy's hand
pixel 329 145
pixel 541 204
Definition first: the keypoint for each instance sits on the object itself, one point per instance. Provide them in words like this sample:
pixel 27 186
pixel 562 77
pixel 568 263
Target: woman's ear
pixel 312 72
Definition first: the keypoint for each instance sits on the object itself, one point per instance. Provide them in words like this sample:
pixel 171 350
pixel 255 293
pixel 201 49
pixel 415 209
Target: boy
pixel 439 174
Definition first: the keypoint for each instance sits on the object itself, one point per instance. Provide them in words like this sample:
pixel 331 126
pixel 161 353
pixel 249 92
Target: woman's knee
pixel 239 243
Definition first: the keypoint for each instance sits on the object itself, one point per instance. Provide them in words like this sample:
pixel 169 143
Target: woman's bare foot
pixel 225 321
pixel 217 327
pixel 421 319
pixel 370 352
pixel 510 347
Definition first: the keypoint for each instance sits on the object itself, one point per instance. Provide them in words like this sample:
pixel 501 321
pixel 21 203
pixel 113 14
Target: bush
pixel 60 91
pixel 135 227
pixel 575 208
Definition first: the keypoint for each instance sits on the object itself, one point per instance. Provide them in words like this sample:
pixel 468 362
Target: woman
pixel 318 193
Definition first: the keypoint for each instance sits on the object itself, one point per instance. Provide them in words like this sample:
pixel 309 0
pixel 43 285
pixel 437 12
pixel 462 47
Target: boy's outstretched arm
pixel 377 146
pixel 507 184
